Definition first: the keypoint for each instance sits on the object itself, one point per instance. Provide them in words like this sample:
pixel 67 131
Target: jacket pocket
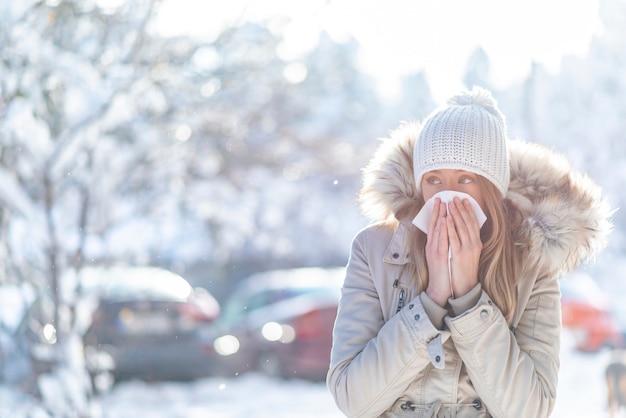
pixel 400 296
pixel 402 292
pixel 401 299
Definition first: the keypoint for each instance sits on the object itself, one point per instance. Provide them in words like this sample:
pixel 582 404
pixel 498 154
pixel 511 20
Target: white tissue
pixel 422 219
pixel 425 214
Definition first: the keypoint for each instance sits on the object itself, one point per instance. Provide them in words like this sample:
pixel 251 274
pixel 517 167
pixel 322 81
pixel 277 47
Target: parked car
pixel 588 313
pixel 280 323
pixel 147 324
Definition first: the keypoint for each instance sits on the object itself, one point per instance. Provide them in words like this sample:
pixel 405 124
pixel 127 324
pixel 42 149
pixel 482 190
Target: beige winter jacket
pixel 397 354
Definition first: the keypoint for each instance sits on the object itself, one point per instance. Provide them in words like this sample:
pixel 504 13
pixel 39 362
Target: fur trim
pixel 388 184
pixel 564 215
pixel 564 221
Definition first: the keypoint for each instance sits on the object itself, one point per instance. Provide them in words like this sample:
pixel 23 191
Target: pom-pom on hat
pixel 469 133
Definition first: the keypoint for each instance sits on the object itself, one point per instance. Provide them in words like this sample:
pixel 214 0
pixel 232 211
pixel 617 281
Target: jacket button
pixel 417 317
pixel 484 314
pixel 411 306
pixel 395 256
pixel 438 359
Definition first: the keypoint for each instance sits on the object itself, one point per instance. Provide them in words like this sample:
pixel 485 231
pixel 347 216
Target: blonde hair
pixel 498 269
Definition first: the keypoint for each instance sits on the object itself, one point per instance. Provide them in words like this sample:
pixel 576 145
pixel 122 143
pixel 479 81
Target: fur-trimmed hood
pixel 564 219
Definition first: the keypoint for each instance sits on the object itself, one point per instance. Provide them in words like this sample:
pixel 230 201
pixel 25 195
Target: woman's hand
pixel 437 244
pixel 465 244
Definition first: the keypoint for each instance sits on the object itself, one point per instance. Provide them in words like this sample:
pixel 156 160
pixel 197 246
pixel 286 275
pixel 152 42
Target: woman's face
pixel 457 180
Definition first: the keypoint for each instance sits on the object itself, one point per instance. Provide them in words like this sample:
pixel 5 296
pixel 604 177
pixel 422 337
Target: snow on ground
pixel 582 389
pixel 581 394
pixel 250 395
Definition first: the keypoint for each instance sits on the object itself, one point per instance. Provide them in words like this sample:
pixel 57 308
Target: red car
pixel 587 312
pixel 279 323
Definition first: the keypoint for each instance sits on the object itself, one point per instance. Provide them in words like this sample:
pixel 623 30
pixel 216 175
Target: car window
pixel 240 305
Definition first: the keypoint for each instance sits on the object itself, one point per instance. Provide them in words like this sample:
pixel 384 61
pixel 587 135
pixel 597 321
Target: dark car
pixel 280 323
pixel 147 322
pixel 587 312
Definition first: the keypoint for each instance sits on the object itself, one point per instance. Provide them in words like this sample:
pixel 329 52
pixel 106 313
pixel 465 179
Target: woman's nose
pixel 450 185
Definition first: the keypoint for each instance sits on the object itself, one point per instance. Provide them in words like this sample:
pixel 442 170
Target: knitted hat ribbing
pixel 469 133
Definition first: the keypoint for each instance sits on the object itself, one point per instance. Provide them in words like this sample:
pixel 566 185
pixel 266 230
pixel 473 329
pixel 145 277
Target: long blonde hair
pixel 499 266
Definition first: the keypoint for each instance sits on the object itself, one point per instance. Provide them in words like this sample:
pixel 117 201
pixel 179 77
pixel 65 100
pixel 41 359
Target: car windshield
pixel 265 289
pixel 242 304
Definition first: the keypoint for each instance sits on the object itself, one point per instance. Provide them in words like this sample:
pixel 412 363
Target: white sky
pixel 401 36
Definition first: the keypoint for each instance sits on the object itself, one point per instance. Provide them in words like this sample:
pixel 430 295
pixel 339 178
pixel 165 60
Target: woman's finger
pixel 432 225
pixel 465 221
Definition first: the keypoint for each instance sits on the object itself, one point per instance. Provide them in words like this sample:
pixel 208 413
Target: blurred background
pixel 178 183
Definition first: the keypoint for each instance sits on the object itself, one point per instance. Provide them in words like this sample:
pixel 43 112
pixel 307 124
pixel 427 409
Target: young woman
pixel 461 318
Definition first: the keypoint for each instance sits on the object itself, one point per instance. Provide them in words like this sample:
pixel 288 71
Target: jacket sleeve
pixel 373 361
pixel 515 372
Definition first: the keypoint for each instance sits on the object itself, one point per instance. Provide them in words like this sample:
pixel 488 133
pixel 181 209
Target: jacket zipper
pixel 400 297
pixel 477 404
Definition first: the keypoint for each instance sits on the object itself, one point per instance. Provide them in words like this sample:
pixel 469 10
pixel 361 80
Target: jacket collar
pixel 397 250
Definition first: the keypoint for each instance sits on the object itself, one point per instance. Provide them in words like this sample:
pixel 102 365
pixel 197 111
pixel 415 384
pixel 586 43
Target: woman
pixel 462 319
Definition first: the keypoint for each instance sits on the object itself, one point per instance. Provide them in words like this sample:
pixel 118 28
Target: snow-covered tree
pixel 77 87
pixel 415 101
pixel 477 71
pixel 118 144
pixel 272 139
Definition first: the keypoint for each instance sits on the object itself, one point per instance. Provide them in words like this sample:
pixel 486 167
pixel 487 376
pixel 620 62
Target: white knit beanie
pixel 469 133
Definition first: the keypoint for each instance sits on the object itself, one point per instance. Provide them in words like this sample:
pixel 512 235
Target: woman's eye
pixel 465 180
pixel 433 180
